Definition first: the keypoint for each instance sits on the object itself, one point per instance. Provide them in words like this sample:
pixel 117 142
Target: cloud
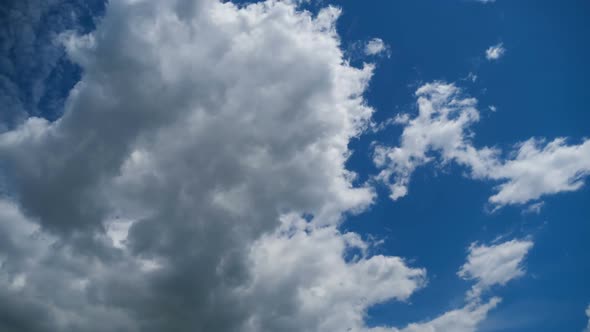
pixel 588 315
pixel 441 132
pixel 495 52
pixel 534 208
pixel 171 193
pixel 488 266
pixel 375 46
pixel 441 125
pixel 46 286
pixel 495 264
pixel 539 169
pixel 302 268
pixel 465 319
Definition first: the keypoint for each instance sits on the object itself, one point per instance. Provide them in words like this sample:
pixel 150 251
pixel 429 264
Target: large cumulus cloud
pixel 196 180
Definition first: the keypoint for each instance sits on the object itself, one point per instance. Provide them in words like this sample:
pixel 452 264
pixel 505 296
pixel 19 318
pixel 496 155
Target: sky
pixel 321 166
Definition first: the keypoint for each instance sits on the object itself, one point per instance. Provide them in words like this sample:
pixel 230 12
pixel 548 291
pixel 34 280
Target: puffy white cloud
pixel 539 169
pixel 588 315
pixel 495 264
pixel 301 266
pixel 441 125
pixel 171 190
pixel 465 319
pixel 472 77
pixel 495 52
pixel 441 131
pixel 375 46
pixel 488 266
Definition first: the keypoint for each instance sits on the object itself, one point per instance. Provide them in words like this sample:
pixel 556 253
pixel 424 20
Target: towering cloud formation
pixel 195 181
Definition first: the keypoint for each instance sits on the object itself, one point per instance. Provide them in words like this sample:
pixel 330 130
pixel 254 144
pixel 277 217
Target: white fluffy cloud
pixel 495 52
pixel 441 131
pixel 375 46
pixel 441 125
pixel 540 169
pixel 495 264
pixel 302 267
pixel 466 319
pixel 487 266
pixel 588 315
pixel 170 194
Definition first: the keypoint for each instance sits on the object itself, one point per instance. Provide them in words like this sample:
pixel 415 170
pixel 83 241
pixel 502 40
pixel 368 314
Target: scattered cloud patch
pixel 539 169
pixel 495 52
pixel 376 46
pixel 440 132
pixel 496 264
pixel 472 77
pixel 466 319
pixel 534 208
pixel 487 266
pixel 441 125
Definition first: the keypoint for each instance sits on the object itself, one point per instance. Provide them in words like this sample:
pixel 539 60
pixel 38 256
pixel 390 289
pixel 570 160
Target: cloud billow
pixel 170 194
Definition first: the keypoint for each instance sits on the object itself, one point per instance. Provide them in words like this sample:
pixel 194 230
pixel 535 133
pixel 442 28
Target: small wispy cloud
pixel 495 52
pixel 534 208
pixel 494 265
pixel 588 314
pixel 375 46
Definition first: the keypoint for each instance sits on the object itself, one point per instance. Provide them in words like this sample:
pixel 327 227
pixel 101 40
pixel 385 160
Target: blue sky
pixel 194 166
pixel 538 89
